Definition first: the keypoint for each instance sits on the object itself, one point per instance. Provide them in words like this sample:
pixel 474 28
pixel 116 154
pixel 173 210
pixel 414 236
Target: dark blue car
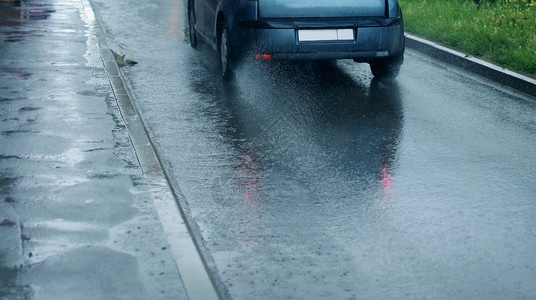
pixel 370 31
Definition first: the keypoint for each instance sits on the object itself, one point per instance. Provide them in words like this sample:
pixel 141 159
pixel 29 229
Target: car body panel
pixel 210 11
pixel 199 12
pixel 321 8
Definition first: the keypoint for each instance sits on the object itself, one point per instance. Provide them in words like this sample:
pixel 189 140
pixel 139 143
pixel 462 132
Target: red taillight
pixel 263 56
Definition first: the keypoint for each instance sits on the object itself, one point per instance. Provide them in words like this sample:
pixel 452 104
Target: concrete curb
pixel 195 275
pixel 503 76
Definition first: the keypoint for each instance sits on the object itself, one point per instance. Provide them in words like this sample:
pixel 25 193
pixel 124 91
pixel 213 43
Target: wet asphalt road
pixel 307 181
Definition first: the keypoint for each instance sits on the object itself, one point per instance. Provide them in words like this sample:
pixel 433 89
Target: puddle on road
pixel 7 223
pixel 12 99
pixel 10 157
pixel 16 13
pixel 37 11
pixel 13 40
pixel 12 132
pixel 6 183
pixel 16 71
pixel 29 108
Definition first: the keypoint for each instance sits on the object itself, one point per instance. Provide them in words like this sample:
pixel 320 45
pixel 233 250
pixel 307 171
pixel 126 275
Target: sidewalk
pixel 76 217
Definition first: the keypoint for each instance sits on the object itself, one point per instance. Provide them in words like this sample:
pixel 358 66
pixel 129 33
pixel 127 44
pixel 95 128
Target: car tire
pixel 225 52
pixel 191 25
pixel 386 68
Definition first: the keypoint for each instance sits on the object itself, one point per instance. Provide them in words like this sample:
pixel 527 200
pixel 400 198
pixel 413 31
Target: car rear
pixel 363 30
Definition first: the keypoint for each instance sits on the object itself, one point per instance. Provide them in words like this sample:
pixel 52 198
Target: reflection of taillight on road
pixel 249 180
pixel 386 176
pixel 250 185
pixel 385 191
pixel 250 191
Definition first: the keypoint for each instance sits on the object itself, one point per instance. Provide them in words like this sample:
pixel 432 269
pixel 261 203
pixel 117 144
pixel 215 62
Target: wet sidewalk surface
pixel 76 220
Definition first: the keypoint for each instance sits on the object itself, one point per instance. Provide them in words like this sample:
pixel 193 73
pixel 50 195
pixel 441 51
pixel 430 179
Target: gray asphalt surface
pixel 77 218
pixel 310 181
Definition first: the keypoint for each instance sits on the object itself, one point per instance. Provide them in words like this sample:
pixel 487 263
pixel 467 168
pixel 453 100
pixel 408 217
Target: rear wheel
pixel 387 68
pixel 225 54
pixel 191 25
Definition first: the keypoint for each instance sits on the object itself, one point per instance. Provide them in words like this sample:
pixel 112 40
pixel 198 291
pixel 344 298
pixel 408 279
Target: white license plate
pixel 313 35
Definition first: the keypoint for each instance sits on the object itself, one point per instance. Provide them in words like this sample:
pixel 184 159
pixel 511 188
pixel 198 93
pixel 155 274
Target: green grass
pixel 500 31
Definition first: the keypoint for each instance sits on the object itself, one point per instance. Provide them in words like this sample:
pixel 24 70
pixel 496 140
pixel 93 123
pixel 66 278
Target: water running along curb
pixel 490 71
pixel 192 268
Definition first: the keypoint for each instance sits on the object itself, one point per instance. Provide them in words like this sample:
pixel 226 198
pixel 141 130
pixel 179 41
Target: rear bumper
pixel 373 39
pixel 319 23
pixel 361 56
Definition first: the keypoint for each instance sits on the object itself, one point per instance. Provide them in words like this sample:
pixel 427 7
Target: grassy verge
pixel 500 31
